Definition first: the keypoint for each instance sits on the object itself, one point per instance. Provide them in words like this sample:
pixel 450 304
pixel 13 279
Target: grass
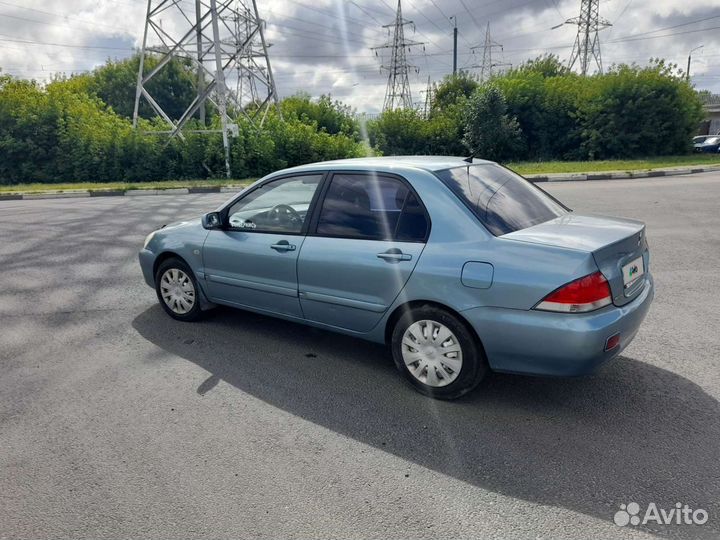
pixel 555 167
pixel 100 186
pixel 544 167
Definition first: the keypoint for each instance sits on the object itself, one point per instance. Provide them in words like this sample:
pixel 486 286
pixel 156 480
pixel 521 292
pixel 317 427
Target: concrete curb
pixel 579 177
pixel 565 177
pixel 119 193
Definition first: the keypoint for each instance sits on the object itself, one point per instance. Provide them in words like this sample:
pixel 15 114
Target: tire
pixel 177 290
pixel 437 373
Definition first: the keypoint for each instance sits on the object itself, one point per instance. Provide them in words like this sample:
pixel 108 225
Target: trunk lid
pixel 615 243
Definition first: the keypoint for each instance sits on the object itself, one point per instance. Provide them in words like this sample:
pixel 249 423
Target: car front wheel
pixel 177 290
pixel 437 353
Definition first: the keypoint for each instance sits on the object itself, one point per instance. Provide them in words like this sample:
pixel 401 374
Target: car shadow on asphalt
pixel 633 432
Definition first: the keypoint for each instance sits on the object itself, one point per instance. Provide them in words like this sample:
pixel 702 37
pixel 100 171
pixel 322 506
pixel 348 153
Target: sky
pixel 324 46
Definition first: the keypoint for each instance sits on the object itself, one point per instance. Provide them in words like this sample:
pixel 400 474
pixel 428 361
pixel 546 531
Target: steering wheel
pixel 283 213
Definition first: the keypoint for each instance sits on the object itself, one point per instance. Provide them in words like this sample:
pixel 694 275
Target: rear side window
pixel 502 200
pixel 372 207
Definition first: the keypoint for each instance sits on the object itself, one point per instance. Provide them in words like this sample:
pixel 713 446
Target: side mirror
pixel 212 221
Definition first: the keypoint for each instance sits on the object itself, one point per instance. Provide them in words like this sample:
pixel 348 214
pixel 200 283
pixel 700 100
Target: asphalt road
pixel 118 422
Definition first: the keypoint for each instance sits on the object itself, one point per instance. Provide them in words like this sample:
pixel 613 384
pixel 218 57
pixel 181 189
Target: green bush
pixel 638 112
pixel 630 111
pixel 79 128
pixel 325 114
pixel 543 96
pixel 490 133
pixel 66 133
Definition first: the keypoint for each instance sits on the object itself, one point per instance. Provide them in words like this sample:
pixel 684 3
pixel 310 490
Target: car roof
pixel 389 163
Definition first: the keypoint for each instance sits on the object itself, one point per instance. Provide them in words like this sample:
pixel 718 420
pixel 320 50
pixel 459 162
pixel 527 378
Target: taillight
pixel 585 294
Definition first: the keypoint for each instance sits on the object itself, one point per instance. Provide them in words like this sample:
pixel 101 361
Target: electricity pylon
pixel 398 94
pixel 428 98
pixel 255 84
pixel 487 65
pixel 222 39
pixel 587 42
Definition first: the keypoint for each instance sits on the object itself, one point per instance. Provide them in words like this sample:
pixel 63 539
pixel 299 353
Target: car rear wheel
pixel 177 290
pixel 437 353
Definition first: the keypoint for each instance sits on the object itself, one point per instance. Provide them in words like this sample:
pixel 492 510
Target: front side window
pixel 280 206
pixel 372 207
pixel 502 200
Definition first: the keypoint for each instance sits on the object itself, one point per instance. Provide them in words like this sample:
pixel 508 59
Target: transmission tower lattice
pixel 587 42
pixel 487 65
pixel 427 102
pixel 398 94
pixel 224 42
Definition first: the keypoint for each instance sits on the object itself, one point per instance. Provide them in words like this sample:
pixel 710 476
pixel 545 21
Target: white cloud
pixel 315 51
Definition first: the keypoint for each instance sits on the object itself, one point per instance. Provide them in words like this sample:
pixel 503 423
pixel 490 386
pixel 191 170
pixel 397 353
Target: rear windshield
pixel 502 200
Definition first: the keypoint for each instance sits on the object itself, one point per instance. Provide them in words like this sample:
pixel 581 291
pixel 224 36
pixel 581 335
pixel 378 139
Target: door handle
pixel 283 245
pixel 394 255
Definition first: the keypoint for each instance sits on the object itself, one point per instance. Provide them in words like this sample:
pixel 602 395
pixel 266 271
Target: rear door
pixel 364 243
pixel 253 262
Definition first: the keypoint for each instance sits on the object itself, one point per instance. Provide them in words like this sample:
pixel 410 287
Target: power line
pixel 13 39
pixel 675 26
pixel 631 37
pixel 627 39
pixel 365 11
pixel 472 17
pixel 440 10
pixel 634 37
pixel 325 13
pixel 429 20
pixel 327 27
pixel 312 34
pixel 47 23
pixel 55 14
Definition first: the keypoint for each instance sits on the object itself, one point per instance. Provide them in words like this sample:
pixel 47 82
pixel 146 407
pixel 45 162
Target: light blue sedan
pixel 460 266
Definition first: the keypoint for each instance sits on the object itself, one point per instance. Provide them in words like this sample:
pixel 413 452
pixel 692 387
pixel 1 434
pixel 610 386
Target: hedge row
pixel 79 128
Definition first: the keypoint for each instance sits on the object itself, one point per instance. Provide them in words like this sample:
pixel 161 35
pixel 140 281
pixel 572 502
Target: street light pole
pixel 687 72
pixel 455 35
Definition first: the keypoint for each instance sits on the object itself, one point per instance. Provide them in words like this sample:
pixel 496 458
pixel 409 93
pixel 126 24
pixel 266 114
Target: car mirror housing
pixel 212 220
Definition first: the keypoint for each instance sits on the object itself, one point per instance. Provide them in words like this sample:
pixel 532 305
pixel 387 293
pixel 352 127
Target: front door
pixel 370 232
pixel 253 262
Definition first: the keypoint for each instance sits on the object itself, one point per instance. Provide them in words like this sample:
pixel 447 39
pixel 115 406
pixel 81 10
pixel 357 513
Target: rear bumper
pixel 559 344
pixel 147 260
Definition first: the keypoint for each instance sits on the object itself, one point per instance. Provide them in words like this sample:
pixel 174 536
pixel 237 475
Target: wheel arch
pixel 414 304
pixel 205 302
pixel 164 256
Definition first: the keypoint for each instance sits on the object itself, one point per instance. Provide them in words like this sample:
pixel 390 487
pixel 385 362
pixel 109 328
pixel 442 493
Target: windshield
pixel 712 140
pixel 502 200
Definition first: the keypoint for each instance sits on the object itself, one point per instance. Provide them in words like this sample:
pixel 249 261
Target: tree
pixel 399 132
pixel 174 86
pixel 548 65
pixel 489 132
pixel 452 90
pixel 632 111
pixel 330 116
